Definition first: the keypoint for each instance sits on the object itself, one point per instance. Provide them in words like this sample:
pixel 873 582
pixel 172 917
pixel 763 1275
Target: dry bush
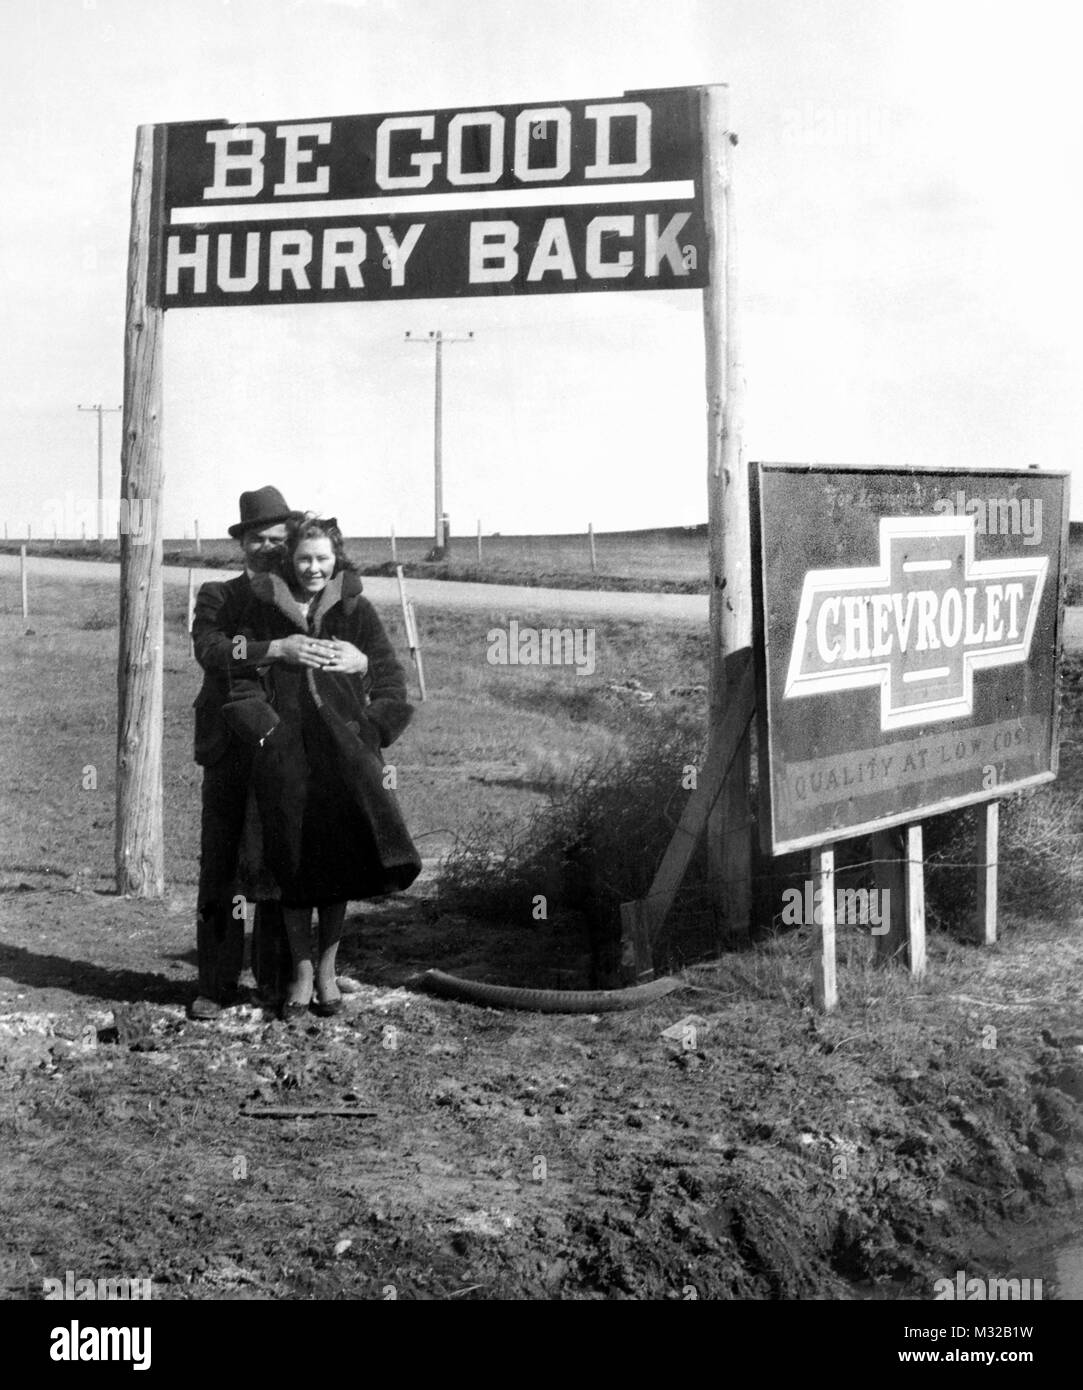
pixel 1040 858
pixel 595 844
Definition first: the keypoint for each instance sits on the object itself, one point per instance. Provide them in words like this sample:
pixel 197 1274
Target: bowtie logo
pixel 918 624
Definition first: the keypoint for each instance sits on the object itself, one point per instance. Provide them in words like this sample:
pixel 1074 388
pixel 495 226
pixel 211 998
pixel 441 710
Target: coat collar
pixel 272 588
pixel 329 595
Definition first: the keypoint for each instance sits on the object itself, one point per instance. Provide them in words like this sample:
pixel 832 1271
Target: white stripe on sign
pixel 920 566
pixel 437 202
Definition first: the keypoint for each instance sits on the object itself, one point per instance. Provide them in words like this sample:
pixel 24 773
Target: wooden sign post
pixel 720 801
pixel 139 849
pixel 988 841
pixel 729 536
pixel 825 990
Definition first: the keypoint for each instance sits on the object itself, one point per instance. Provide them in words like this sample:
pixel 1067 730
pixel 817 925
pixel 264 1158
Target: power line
pixel 437 338
pixel 101 410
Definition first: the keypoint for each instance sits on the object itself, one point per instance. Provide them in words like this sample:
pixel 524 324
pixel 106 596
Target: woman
pixel 331 830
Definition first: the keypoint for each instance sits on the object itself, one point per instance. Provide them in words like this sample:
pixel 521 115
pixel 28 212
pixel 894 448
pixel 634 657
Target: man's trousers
pixel 220 908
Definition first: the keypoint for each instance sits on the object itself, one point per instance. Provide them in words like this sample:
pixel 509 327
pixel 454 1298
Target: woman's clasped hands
pixel 326 654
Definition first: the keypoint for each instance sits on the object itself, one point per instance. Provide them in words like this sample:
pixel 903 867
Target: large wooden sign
pixel 543 198
pixel 908 625
pixel 624 193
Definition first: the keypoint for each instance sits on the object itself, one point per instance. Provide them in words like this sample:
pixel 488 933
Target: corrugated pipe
pixel 546 1001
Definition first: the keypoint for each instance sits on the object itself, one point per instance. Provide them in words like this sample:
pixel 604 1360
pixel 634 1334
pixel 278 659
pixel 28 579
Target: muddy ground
pixel 765 1152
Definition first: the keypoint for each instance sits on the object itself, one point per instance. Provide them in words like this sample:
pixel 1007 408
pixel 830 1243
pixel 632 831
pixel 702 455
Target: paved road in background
pixel 515 600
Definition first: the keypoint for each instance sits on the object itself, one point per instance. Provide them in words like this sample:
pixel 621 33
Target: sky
pixel 908 222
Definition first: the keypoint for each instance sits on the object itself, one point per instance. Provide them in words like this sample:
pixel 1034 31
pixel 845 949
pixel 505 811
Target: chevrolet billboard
pixel 908 625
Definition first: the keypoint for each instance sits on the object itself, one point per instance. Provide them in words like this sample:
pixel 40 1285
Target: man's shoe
pixel 203 1009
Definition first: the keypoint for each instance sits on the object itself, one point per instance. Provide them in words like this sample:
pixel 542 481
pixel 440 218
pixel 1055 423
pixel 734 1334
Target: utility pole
pixel 438 338
pixel 100 411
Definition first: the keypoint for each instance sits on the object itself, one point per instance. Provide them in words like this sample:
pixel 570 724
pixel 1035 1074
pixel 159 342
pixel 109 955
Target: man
pixel 227 763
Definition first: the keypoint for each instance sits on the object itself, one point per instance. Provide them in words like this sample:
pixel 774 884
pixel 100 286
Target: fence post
pixel 199 546
pixel 593 554
pixel 409 622
pixel 417 649
pixel 191 605
pixel 22 578
pixel 394 550
pixel 479 540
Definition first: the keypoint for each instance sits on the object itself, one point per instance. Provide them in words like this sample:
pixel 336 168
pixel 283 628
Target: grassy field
pixel 489 739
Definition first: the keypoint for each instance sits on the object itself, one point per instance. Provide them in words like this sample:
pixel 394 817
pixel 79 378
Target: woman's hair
pixel 312 527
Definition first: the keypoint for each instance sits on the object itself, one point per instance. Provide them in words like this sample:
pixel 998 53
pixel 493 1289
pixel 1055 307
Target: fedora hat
pixel 264 507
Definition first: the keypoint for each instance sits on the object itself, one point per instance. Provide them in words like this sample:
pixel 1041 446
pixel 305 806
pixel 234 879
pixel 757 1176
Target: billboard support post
pixel 824 975
pixel 988 840
pixel 886 847
pixel 139 846
pixel 915 901
pixel 729 535
pixel 900 882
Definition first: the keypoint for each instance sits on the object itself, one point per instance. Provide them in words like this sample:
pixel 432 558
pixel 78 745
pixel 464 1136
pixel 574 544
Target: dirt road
pixel 435 593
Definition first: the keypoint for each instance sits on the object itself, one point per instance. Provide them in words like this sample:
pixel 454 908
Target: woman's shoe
pixel 291 1012
pixel 329 1008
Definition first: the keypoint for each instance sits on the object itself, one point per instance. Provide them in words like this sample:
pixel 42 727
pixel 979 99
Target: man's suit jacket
pixel 218 610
